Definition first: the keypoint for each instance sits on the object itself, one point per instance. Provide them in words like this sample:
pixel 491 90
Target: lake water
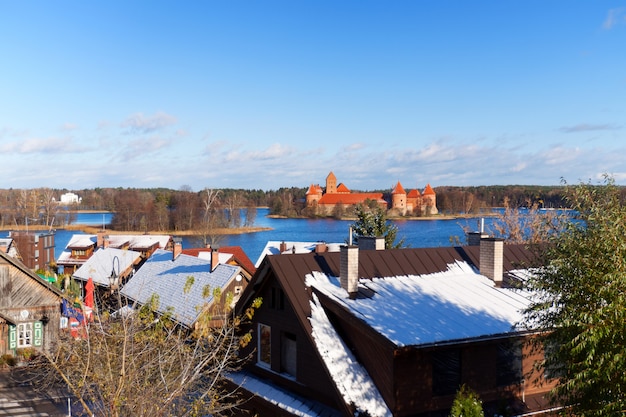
pixel 416 233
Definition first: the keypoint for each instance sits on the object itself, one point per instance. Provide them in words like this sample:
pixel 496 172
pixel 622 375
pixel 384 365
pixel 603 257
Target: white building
pixel 70 198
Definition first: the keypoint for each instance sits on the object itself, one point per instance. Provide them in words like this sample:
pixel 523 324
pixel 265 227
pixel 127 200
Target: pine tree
pixel 466 404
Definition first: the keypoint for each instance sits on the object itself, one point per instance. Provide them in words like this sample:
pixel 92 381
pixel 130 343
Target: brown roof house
pixel 390 332
pixel 30 309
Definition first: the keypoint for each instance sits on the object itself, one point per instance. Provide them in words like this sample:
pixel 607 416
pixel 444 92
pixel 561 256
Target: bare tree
pixel 528 225
pixel 49 206
pixel 140 363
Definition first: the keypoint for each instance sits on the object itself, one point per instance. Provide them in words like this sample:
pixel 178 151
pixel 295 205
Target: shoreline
pixel 94 229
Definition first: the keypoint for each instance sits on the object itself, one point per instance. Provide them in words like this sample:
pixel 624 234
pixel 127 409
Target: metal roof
pixel 165 277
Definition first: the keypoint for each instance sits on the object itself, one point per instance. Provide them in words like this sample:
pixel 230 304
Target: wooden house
pixel 390 332
pixel 81 247
pixel 30 309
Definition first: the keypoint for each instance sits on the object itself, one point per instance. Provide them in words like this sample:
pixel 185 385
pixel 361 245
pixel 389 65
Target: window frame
pixel 264 345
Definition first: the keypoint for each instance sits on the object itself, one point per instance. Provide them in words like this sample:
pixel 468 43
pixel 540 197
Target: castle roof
pixel 331 176
pixel 398 189
pixel 341 188
pixel 414 193
pixel 428 190
pixel 352 198
pixel 314 189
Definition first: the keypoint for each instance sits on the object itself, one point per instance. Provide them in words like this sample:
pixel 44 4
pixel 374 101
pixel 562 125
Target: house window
pixel 288 354
pixel 509 363
pixel 24 335
pixel 446 366
pixel 277 299
pixel 265 345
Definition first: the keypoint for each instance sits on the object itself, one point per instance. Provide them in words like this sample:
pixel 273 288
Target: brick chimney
pixel 372 242
pixel 102 239
pixel 349 269
pixel 321 247
pixel 178 248
pixel 215 258
pixel 492 258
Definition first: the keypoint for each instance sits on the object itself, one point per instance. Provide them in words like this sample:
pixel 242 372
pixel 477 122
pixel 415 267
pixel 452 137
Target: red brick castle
pixel 399 202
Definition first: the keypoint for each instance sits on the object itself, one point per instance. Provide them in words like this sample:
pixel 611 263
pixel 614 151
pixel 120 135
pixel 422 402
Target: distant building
pixel 70 198
pixel 403 203
pixel 35 249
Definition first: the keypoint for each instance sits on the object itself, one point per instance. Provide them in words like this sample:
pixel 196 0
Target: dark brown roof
pixel 291 269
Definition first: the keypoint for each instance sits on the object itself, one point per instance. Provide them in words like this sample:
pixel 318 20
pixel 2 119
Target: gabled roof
pixel 273 247
pixel 428 190
pixel 408 297
pixel 101 264
pixel 167 278
pixel 352 198
pixel 226 254
pixel 81 241
pixel 341 188
pixel 25 271
pixel 292 270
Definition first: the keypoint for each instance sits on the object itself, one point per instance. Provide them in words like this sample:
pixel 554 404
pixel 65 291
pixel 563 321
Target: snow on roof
pixel 415 310
pixel 272 247
pixel 222 257
pixel 100 265
pixel 350 377
pixel 139 241
pixel 283 399
pixel 81 241
pixel 162 276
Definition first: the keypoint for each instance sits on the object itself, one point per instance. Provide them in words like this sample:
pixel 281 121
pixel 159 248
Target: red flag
pixel 89 287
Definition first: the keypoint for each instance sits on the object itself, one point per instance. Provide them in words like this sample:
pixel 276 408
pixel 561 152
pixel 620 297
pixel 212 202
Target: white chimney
pixel 492 258
pixel 349 269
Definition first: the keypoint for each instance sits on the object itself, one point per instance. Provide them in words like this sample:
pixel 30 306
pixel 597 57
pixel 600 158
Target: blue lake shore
pixel 416 233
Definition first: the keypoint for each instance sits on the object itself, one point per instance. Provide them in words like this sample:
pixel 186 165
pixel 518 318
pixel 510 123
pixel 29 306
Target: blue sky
pixel 268 94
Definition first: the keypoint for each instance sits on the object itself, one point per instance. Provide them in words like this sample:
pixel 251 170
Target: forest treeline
pixel 162 209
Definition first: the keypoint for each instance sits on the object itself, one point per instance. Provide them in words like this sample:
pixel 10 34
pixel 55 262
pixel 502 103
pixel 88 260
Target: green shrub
pixel 466 404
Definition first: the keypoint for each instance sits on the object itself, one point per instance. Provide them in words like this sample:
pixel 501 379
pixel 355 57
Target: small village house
pixel 391 332
pixel 30 309
pixel 167 275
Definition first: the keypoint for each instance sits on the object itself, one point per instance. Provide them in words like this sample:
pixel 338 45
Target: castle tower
pixel 313 194
pixel 429 200
pixel 331 183
pixel 398 198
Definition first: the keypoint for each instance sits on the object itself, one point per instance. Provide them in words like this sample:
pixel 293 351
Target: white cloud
pixel 585 127
pixel 614 17
pixel 34 146
pixel 138 123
